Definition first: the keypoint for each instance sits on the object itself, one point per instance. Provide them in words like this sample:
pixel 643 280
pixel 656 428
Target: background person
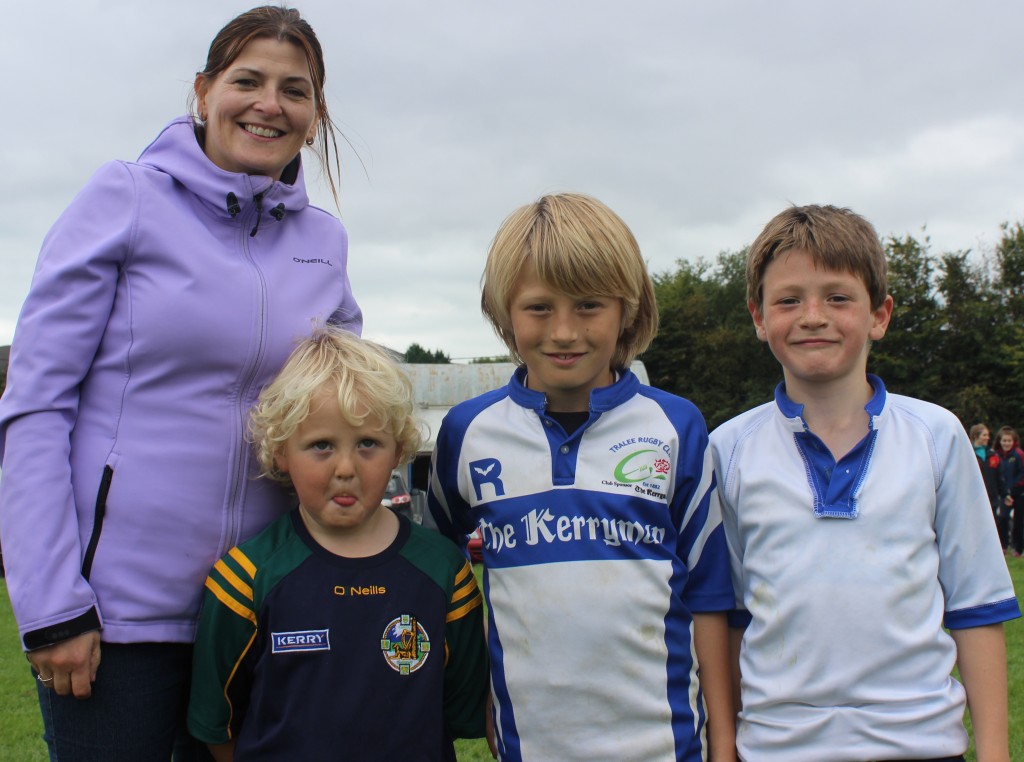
pixel 1011 469
pixel 165 297
pixel 988 462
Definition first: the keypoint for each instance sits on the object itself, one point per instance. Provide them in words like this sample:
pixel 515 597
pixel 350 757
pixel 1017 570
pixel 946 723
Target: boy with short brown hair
pixel 858 526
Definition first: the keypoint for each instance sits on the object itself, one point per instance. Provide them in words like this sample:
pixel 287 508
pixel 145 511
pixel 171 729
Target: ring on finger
pixel 42 679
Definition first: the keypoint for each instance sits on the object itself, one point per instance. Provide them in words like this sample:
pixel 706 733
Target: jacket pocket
pixel 97 523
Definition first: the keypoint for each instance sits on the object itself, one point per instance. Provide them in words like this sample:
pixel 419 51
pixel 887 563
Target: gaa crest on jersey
pixel 405 644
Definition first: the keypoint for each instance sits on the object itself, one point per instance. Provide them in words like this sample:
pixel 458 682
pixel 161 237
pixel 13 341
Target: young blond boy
pixel 605 563
pixel 341 631
pixel 858 526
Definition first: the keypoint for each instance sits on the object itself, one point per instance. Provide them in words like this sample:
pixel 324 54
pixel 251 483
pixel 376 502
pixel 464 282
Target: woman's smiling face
pixel 260 110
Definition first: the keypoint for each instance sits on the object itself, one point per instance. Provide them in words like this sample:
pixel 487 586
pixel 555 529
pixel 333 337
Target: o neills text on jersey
pixel 542 525
pixel 357 591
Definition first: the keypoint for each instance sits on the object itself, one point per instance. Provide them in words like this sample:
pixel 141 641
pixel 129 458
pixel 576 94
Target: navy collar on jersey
pixel 792 409
pixel 833 485
pixel 364 562
pixel 602 399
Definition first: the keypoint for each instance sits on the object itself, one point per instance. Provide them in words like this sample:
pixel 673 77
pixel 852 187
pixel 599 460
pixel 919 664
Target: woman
pixel 165 297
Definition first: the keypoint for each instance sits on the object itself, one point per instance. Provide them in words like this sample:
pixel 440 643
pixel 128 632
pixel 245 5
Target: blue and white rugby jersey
pixel 597 547
pixel 848 572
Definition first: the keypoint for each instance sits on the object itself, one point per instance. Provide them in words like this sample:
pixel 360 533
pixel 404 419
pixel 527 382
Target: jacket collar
pixel 176 151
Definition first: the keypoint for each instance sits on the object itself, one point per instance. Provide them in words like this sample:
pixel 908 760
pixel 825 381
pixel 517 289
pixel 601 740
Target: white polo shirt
pixel 848 572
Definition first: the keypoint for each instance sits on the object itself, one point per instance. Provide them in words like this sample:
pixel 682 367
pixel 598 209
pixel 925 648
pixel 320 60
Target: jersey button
pixel 564 449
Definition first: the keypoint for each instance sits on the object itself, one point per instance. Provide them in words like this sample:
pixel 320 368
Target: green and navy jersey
pixel 598 547
pixel 303 654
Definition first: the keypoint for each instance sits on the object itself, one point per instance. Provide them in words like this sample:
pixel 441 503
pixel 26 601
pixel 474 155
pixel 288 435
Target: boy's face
pixel 818 323
pixel 339 471
pixel 566 342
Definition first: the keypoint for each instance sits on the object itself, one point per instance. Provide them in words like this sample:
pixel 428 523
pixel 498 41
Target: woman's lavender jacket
pixel 165 297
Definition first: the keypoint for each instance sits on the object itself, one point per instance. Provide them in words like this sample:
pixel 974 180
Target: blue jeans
pixel 136 712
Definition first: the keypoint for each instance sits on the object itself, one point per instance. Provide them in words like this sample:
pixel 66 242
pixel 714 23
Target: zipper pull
pixel 259 213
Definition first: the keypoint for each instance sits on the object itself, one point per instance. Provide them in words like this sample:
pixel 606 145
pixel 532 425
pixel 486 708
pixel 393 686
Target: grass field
pixel 21 727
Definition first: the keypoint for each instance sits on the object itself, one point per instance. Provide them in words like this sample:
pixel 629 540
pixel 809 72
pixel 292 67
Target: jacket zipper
pixel 97 522
pixel 248 379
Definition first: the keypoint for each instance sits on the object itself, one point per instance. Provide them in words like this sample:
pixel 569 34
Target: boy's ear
pixel 281 462
pixel 758 317
pixel 881 316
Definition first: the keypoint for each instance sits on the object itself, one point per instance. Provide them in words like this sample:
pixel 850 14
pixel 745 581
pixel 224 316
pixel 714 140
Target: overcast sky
pixel 695 121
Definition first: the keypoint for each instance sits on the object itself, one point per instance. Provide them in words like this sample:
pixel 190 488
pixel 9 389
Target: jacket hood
pixel 176 152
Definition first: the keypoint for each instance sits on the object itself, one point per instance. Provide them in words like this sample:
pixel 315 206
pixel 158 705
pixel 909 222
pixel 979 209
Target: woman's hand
pixel 69 667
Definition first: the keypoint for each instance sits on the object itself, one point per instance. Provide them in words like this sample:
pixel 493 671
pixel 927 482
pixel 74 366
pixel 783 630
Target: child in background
pixel 858 526
pixel 341 631
pixel 605 562
pixel 1011 471
pixel 988 464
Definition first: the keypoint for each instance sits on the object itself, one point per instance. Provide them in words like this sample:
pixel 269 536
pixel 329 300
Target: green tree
pixel 969 313
pixel 905 357
pixel 417 354
pixel 1009 345
pixel 706 349
pixel 1010 263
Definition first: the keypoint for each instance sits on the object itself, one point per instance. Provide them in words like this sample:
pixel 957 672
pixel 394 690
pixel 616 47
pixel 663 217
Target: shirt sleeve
pixel 62 324
pixel 972 571
pixel 348 315
pixel 701 538
pixel 739 616
pixel 221 681
pixel 447 506
pixel 466 682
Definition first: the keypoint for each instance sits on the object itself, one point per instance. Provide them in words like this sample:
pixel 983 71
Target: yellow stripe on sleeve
pixel 233 579
pixel 465 584
pixel 228 600
pixel 243 561
pixel 461 611
pixel 227 684
pixel 465 571
pixel 464 592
